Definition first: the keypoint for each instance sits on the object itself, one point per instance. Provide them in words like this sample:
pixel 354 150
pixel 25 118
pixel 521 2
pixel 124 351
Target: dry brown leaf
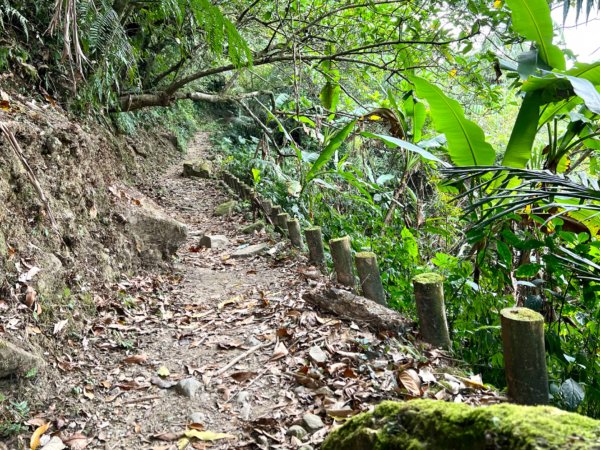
pixel 243 376
pixel 36 421
pixel 136 359
pixel 30 296
pixel 34 442
pixel 280 351
pixel 58 326
pixel 77 441
pixel 411 381
pixel 167 436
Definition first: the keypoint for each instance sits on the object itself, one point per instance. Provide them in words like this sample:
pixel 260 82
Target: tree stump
pixel 267 207
pixel 429 296
pixel 370 278
pixel 275 211
pixel 314 241
pixel 524 356
pixel 293 226
pixel 342 260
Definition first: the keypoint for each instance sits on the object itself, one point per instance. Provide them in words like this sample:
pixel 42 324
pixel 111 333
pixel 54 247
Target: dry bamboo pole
pixel 342 260
pixel 429 295
pixel 293 226
pixel 370 278
pixel 524 356
pixel 314 241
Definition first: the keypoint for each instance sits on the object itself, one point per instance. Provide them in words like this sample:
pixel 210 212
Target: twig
pixel 30 174
pixel 238 358
pixel 141 399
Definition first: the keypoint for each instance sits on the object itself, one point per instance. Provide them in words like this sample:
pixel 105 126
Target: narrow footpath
pixel 223 352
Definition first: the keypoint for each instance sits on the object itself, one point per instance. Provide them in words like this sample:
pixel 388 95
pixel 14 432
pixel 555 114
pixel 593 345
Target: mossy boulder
pixel 435 425
pixel 198 168
pixel 225 209
pixel 256 226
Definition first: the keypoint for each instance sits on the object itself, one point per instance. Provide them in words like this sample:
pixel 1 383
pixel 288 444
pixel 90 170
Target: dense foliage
pixel 450 135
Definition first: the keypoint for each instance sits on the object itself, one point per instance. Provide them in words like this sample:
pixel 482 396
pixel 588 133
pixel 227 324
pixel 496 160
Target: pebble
pixel 251 250
pixel 197 417
pixel 214 241
pixel 188 387
pixel 312 422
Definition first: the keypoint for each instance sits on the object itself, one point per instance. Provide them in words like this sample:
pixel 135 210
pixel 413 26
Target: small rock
pixel 251 250
pixel 243 397
pixel 188 387
pixel 198 168
pixel 297 431
pixel 325 391
pixel 306 447
pixel 312 422
pixel 197 417
pixel 256 226
pixel 225 209
pixel 214 241
pixel 317 355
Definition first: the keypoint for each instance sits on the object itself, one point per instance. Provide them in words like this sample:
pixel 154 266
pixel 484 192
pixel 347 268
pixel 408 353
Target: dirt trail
pixel 262 362
pixel 194 322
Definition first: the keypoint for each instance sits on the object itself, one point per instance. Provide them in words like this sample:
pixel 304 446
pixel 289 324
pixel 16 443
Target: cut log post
pixel 282 220
pixel 314 241
pixel 429 295
pixel 370 278
pixel 267 207
pixel 275 211
pixel 247 191
pixel 524 356
pixel 293 226
pixel 341 253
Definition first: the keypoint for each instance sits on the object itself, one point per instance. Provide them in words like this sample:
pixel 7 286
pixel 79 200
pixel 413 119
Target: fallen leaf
pixel 163 372
pixel 55 443
pixel 34 442
pixel 229 301
pixel 167 436
pixel 207 435
pixel 28 276
pixel 280 351
pixel 243 376
pixel 77 441
pixel 36 421
pixel 30 296
pixel 58 326
pixel 411 381
pixel 136 359
pixel 182 443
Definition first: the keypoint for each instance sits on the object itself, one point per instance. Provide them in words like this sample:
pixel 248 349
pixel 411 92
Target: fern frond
pixel 10 13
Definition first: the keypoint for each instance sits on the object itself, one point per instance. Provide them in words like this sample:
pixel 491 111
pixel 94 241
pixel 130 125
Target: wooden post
pixel 275 211
pixel 293 226
pixel 267 206
pixel 370 278
pixel 282 222
pixel 524 356
pixel 429 295
pixel 314 240
pixel 342 260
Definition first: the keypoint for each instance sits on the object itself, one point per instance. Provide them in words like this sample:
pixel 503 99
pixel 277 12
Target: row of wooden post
pixel 522 329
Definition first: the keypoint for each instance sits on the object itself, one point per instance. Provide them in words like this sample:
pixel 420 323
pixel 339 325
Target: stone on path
pixel 16 361
pixel 197 417
pixel 188 387
pixel 198 168
pixel 225 209
pixel 256 226
pixel 297 431
pixel 214 241
pixel 312 422
pixel 251 250
pixel 317 354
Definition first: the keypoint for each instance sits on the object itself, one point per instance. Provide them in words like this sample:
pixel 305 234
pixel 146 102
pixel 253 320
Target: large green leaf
pixel 395 142
pixel 518 150
pixel 532 19
pixel 327 153
pixel 466 140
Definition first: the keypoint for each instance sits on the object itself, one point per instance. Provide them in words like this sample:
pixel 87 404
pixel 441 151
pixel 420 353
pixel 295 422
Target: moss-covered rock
pixel 256 226
pixel 198 168
pixel 434 425
pixel 225 209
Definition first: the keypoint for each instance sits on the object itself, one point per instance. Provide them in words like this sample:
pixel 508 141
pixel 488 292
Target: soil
pixel 239 326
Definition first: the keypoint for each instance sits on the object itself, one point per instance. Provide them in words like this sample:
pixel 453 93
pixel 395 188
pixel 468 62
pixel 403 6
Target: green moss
pixel 428 278
pixel 339 239
pixel 366 255
pixel 522 314
pixel 225 209
pixel 433 425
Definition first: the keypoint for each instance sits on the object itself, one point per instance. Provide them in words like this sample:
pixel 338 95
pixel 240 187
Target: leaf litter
pixel 263 356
